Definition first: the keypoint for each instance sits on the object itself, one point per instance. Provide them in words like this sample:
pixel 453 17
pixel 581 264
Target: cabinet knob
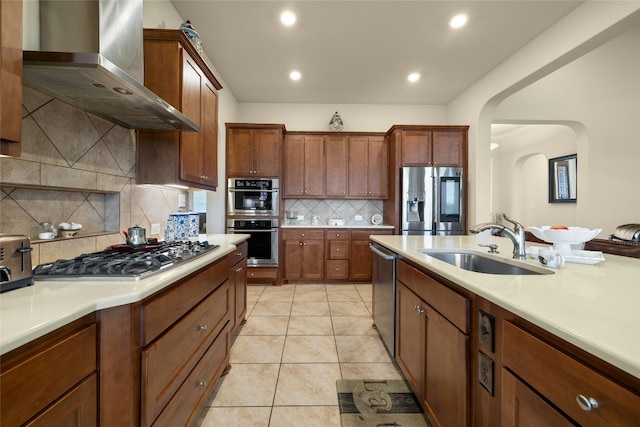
pixel 586 403
pixel 337 268
pixel 252 274
pixel 239 253
pixel 302 234
pixel 418 310
pixel 238 270
pixel 204 328
pixel 337 234
pixel 305 243
pixel 202 383
pixel 300 243
pixel 337 249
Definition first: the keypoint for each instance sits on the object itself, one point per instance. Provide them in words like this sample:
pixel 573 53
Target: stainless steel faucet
pixel 516 235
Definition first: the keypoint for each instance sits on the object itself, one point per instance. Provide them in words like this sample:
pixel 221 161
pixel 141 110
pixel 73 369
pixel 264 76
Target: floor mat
pixel 365 403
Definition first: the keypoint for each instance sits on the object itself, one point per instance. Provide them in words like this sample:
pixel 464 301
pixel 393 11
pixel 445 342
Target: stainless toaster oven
pixel 15 262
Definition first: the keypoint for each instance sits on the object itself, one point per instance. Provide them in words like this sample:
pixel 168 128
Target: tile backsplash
pixel 334 209
pixel 76 167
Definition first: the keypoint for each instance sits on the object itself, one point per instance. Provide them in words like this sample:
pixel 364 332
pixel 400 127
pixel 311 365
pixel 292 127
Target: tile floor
pixel 297 341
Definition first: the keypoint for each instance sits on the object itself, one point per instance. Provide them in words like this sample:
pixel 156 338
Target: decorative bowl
pixel 563 239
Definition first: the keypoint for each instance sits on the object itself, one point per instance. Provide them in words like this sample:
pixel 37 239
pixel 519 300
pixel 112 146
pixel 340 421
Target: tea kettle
pixel 136 236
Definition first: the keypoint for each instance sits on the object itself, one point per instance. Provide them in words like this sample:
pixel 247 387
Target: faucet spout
pixel 516 235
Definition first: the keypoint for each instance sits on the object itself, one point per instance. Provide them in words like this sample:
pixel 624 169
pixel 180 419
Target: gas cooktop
pixel 123 262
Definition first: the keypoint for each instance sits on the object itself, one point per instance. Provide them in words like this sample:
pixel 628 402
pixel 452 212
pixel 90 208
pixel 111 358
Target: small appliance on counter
pixel 15 262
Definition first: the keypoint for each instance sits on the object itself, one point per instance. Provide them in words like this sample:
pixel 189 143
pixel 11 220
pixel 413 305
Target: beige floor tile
pixel 309 349
pixel 343 295
pixel 310 308
pixel 340 287
pixel 365 292
pixel 310 325
pixel 254 292
pixel 307 416
pixel 361 348
pixel 272 308
pixel 348 308
pixel 257 349
pixel 309 287
pixel 307 384
pixel 353 325
pixel 237 417
pixel 278 293
pixel 319 295
pixel 373 371
pixel 248 385
pixel 250 307
pixel 369 306
pixel 265 325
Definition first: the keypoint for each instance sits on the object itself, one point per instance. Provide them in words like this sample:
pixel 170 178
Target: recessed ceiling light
pixel 413 77
pixel 295 75
pixel 459 20
pixel 288 18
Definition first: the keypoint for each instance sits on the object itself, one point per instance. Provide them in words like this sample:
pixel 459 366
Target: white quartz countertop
pixel 33 311
pixel 595 307
pixel 349 226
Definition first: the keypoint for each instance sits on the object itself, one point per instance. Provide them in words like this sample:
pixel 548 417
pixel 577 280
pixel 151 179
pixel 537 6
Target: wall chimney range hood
pixel 90 55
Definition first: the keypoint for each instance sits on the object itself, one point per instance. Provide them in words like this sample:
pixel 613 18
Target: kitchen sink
pixel 481 263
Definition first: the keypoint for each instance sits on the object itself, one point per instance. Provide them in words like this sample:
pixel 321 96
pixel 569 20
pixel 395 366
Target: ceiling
pixel 360 52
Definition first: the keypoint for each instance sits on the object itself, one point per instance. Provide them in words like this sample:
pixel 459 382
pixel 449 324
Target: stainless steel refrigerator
pixel 432 200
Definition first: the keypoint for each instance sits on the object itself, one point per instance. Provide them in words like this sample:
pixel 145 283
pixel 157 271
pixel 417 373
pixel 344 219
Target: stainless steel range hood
pixel 90 55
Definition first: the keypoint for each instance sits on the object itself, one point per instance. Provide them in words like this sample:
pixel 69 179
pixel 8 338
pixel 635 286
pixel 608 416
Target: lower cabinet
pixel 432 345
pixel 52 381
pixel 238 280
pixel 360 254
pixel 303 254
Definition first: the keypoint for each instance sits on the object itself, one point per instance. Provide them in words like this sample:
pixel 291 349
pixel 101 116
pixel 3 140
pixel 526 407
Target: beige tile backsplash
pixel 76 167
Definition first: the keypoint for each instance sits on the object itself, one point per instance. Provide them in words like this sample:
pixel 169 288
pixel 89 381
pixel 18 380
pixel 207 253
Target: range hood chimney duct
pixel 91 56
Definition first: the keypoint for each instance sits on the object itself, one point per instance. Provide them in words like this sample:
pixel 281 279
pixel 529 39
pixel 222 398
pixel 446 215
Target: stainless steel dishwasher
pixel 384 295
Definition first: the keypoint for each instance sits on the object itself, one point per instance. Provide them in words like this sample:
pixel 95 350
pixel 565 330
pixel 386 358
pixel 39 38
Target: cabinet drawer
pixel 561 379
pixel 337 269
pixel 449 303
pixel 337 234
pixel 339 249
pixel 364 234
pixel 169 360
pixel 33 384
pixel 238 255
pixel 302 234
pixel 188 400
pixel 164 310
pixel 79 407
pixel 262 273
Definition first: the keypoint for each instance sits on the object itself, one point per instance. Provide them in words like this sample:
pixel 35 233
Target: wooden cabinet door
pixel 239 276
pixel 294 154
pixel 313 259
pixel 267 150
pixel 292 259
pixel 360 260
pixel 239 152
pixel 11 77
pixel 314 166
pixel 448 148
pixel 410 338
pixel 377 168
pixel 191 103
pixel 209 131
pixel 336 161
pixel 78 408
pixel 522 407
pixel 358 149
pixel 416 148
pixel 446 388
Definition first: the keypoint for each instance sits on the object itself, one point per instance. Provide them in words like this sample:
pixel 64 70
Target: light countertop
pixel 33 311
pixel 595 307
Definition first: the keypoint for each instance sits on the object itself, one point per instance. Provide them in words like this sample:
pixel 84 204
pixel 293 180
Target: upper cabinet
pixel 175 71
pixel 431 145
pixel 368 165
pixel 11 77
pixel 304 166
pixel 254 150
pixel 337 166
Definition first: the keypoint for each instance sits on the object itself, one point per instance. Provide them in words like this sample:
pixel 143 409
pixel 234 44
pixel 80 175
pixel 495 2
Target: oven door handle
pixel 255 190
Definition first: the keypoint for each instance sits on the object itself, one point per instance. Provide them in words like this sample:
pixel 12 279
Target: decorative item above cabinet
pixel 176 72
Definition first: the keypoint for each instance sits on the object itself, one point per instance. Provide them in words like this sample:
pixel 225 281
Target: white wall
pixel 601 92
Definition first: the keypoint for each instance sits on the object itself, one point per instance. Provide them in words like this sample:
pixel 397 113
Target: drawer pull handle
pixel 202 383
pixel 204 328
pixel 586 403
pixel 238 270
pixel 418 310
pixel 239 254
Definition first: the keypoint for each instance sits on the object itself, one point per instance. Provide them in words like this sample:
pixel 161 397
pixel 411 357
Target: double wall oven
pixel 253 209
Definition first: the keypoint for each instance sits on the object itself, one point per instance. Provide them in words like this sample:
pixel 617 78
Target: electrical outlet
pixel 300 218
pixel 358 217
pixel 485 372
pixel 182 201
pixel 155 228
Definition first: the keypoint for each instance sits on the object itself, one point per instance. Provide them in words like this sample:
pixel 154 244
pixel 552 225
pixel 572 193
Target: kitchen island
pixel 582 315
pixel 125 352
